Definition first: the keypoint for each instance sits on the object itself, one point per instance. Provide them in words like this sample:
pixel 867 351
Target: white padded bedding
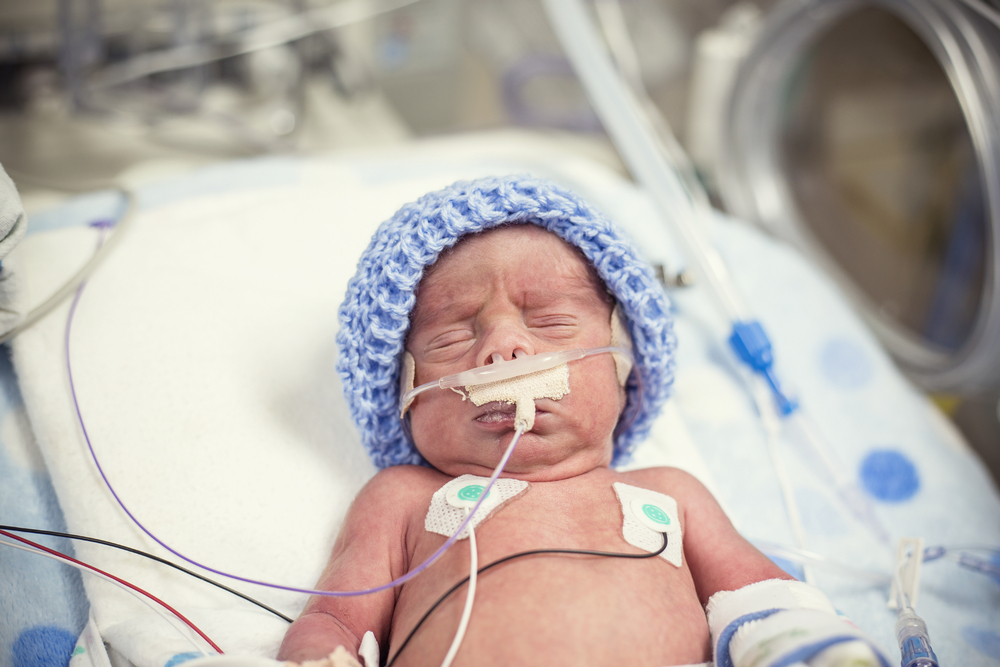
pixel 203 356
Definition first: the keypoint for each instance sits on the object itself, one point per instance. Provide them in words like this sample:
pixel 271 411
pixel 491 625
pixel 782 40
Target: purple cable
pixel 102 225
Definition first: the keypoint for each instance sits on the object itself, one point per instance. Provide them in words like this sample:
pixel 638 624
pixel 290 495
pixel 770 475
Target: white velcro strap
pixel 726 606
pixel 790 637
pixel 777 622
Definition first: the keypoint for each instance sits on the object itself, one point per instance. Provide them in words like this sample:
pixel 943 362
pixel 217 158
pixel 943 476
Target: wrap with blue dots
pixel 374 317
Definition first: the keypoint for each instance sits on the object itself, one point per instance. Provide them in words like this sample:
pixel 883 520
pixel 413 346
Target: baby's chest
pixel 517 516
pixel 562 586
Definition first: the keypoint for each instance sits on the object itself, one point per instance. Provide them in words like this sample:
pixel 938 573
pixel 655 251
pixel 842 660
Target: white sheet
pixel 203 356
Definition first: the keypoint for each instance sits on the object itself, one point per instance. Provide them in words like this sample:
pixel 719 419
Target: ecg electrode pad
pixel 450 503
pixel 647 515
pixel 620 337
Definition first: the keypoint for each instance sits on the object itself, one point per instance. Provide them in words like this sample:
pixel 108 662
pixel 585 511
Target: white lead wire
pixel 469 596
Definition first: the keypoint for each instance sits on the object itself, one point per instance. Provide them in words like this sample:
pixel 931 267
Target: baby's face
pixel 513 288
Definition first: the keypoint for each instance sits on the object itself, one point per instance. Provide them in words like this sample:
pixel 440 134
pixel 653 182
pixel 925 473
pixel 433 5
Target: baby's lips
pixel 496 411
pixel 498 406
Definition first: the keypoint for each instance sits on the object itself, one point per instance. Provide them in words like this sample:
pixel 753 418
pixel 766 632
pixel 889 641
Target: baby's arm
pixel 718 556
pixel 792 618
pixel 370 551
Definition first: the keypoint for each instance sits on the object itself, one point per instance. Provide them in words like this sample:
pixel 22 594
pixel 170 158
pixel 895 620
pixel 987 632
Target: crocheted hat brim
pixel 374 317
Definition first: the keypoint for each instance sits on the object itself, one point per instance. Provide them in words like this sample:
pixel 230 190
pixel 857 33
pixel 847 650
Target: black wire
pixel 83 538
pixel 536 552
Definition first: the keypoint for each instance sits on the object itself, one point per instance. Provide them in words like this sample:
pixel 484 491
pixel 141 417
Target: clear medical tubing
pixel 636 140
pixel 911 630
pixel 914 641
pixel 71 285
pixel 505 370
pixel 752 178
pixel 630 129
pixel 680 200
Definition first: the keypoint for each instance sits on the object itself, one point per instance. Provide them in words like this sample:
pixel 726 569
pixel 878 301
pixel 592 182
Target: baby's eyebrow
pixel 581 291
pixel 450 310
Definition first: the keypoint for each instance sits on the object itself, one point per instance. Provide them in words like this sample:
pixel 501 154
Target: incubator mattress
pixel 203 353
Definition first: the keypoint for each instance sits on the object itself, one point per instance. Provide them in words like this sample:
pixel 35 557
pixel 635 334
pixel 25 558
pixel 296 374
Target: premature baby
pixel 498 280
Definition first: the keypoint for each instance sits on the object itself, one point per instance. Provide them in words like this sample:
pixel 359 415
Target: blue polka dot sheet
pixel 875 462
pixel 204 362
pixel 43 607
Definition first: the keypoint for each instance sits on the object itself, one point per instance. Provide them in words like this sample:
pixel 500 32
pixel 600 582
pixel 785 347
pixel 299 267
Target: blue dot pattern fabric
pixel 845 364
pixel 374 317
pixel 987 642
pixel 43 646
pixel 889 475
pixel 181 658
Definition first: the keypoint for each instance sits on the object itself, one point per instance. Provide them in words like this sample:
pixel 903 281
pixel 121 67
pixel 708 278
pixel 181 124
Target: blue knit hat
pixel 374 317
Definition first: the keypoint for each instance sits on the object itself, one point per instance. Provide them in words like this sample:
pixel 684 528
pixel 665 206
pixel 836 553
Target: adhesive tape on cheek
pixel 620 337
pixel 407 375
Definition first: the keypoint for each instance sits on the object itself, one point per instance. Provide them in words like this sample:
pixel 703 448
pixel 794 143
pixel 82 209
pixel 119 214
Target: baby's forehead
pixel 559 263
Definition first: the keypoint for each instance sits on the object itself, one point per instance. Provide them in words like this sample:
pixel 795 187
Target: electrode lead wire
pixel 39 549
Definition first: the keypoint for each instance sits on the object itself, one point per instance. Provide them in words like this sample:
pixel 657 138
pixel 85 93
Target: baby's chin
pixel 541 464
pixel 536 458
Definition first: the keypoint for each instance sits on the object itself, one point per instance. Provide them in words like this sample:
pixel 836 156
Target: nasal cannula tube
pixel 505 370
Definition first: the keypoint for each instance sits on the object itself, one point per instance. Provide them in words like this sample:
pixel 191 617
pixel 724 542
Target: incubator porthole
pixel 882 171
pixel 866 134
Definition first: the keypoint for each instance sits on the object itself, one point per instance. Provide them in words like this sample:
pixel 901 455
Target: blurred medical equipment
pixel 866 134
pixel 13 322
pixel 223 78
pixel 652 154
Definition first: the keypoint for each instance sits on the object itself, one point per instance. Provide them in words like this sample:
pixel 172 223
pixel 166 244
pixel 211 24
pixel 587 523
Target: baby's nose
pixel 505 344
pixel 517 354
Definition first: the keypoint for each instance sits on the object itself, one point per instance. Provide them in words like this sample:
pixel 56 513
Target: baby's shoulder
pixel 401 488
pixel 679 484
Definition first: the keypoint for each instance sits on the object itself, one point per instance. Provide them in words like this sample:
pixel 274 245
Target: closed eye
pixel 448 345
pixel 555 326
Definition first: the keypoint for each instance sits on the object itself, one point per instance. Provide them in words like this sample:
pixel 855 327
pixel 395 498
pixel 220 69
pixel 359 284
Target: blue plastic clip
pixel 752 345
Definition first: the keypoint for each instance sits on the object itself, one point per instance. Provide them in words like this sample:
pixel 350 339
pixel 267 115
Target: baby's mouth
pixel 494 413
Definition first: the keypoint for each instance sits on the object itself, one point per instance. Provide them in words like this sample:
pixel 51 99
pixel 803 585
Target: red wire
pixel 121 581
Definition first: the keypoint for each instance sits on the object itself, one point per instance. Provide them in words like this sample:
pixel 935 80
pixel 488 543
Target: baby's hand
pixel 339 658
